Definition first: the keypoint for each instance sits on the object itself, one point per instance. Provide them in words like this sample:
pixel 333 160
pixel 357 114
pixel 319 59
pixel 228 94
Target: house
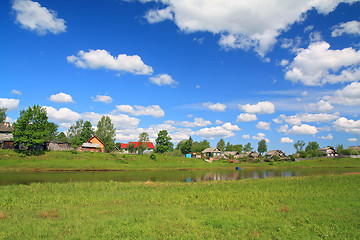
pixel 94 144
pixel 328 151
pixel 212 153
pixel 6 136
pixel 232 154
pixel 273 153
pixel 149 146
pixel 254 155
pixel 356 148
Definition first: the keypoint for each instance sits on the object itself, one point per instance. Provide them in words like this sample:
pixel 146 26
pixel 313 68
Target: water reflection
pixel 8 178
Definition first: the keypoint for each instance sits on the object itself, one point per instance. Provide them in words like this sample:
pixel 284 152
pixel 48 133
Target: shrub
pixel 292 157
pixel 153 156
pixel 276 158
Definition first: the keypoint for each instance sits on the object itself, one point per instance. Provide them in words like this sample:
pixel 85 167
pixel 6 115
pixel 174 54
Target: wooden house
pixel 6 136
pixel 273 153
pixel 212 153
pixel 328 151
pixel 94 144
pixel 232 154
pixel 149 146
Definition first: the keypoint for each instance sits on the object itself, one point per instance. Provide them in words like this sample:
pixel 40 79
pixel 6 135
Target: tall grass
pixel 324 207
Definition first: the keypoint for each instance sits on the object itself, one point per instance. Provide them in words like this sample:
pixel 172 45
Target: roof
pixel 150 145
pixel 90 145
pixel 231 153
pixel 357 148
pixel 272 152
pixel 213 149
pixel 6 127
pixel 96 138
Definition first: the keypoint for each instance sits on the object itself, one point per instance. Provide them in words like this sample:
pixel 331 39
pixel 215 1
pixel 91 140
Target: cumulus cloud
pixel 259 108
pixel 246 136
pixel 246 117
pixel 16 92
pixel 286 140
pixel 102 98
pixel 328 137
pixel 241 24
pixel 97 59
pixel 153 110
pixel 30 15
pixel 120 121
pixel 218 122
pixel 303 129
pixel 61 98
pixel 216 107
pixel 347 125
pixel 198 122
pixel 224 131
pixel 318 65
pixel 261 136
pixel 163 79
pixel 352 139
pixel 321 106
pixel 159 15
pixel 349 95
pixel 9 103
pixel 352 27
pixel 263 125
pixel 63 115
pixel 307 117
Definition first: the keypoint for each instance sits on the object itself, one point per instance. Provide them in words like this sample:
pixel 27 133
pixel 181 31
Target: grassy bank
pixel 53 161
pixel 324 207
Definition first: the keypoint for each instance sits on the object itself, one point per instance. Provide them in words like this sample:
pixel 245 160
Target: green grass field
pixel 322 207
pixel 52 161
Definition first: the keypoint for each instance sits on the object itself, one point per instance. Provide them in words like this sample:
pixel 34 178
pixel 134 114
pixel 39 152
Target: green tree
pixel 229 147
pixel 312 146
pixel 87 131
pixel 61 137
pixel 80 132
pixel 299 145
pixel 248 147
pixel 3 115
pixel 131 148
pixel 186 145
pixel 106 133
pixel 262 147
pixel 221 144
pixel 143 141
pixel 52 130
pixel 200 146
pixel 32 128
pixel 163 143
pixel 238 147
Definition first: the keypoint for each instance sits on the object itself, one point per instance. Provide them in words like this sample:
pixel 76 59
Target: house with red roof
pixel 126 147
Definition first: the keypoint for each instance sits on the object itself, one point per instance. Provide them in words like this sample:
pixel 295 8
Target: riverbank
pixel 88 161
pixel 274 208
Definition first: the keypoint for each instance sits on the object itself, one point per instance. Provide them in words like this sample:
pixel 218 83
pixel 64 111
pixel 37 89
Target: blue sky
pixel 239 70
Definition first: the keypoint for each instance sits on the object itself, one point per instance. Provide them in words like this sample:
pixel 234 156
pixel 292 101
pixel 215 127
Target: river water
pixel 8 178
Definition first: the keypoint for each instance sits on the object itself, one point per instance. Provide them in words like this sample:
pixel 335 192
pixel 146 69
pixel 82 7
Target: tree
pixel 248 147
pixel 229 147
pixel 185 145
pixel 3 115
pixel 143 141
pixel 106 133
pixel 238 147
pixel 262 147
pixel 221 144
pixel 61 137
pixel 80 132
pixel 131 147
pixel 312 146
pixel 163 143
pixel 87 131
pixel 299 145
pixel 52 130
pixel 340 149
pixel 32 128
pixel 200 146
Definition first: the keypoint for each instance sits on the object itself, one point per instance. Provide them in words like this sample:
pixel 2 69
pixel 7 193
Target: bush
pixel 276 158
pixel 153 156
pixel 292 157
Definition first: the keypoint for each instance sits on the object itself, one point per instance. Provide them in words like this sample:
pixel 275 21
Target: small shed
pixel 94 144
pixel 212 153
pixel 6 131
pixel 328 151
pixel 273 153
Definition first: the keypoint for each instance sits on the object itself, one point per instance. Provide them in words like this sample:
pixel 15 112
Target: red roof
pixel 136 144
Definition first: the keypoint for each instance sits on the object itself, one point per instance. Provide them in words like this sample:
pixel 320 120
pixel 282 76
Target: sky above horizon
pixel 243 71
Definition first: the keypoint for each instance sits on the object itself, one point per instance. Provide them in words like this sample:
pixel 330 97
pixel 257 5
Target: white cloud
pixel 198 122
pixel 246 117
pixel 9 103
pixel 349 95
pixel 153 110
pixel 102 98
pixel 352 27
pixel 244 24
pixel 328 137
pixel 303 129
pixel 224 131
pixel 347 125
pixel 263 125
pixel 318 65
pixel 307 117
pixel 97 59
pixel 352 139
pixel 63 115
pixel 61 98
pixel 321 106
pixel 284 62
pixel 286 140
pixel 16 92
pixel 261 136
pixel 216 107
pixel 245 136
pixel 163 79
pixel 159 15
pixel 30 15
pixel 259 108
pixel 120 121
pixel 218 122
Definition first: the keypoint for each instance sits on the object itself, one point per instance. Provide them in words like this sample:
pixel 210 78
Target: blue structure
pixel 188 155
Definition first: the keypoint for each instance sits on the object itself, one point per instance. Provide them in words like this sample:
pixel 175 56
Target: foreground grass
pixel 324 207
pixel 52 161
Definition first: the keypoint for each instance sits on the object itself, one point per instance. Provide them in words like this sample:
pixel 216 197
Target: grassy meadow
pixel 53 161
pixel 320 207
